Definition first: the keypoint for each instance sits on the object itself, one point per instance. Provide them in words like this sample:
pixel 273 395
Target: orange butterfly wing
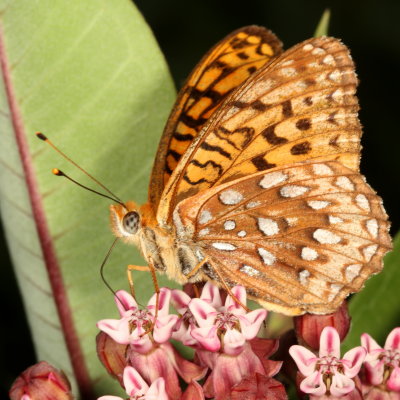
pixel 300 106
pixel 227 65
pixel 299 238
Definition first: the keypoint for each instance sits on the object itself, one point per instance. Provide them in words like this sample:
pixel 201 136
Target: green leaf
pixel 375 310
pixel 91 77
pixel 323 24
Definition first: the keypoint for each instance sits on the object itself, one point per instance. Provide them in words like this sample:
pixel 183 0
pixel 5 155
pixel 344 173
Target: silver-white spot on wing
pixel 363 202
pixel 248 270
pixel 303 277
pixel 224 246
pixel 267 257
pixel 230 197
pixel 272 179
pixel 229 225
pixel 322 169
pixel 268 226
pixel 293 190
pixel 308 254
pixel 318 204
pixel 352 271
pixel 335 220
pixel 369 251
pixel 253 204
pixel 204 231
pixel 205 216
pixel 345 183
pixel 372 227
pixel 326 237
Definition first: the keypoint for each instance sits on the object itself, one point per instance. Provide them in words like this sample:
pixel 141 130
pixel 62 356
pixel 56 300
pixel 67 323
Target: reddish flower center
pixel 226 320
pixel 140 318
pixel 391 359
pixel 329 366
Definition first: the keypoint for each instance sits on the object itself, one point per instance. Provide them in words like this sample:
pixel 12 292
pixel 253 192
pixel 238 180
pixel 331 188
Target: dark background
pixel 185 30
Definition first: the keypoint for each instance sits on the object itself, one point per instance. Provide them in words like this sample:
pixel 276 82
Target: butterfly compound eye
pixel 130 222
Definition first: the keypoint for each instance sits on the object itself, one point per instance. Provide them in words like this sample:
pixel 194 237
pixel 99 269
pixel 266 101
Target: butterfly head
pixel 125 221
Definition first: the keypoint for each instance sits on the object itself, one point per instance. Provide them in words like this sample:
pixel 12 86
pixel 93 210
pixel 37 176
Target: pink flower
pixel 382 365
pixel 224 328
pixel 185 324
pixel 220 334
pixel 149 351
pixel 134 325
pixel 136 387
pixel 328 373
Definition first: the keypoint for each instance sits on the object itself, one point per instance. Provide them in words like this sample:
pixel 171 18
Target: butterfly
pixel 256 179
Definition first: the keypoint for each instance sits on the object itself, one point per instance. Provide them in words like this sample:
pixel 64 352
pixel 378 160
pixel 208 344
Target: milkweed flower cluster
pixel 230 361
pixel 223 335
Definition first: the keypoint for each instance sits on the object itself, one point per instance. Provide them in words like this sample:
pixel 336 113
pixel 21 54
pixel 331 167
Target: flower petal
pixel 233 342
pixel 341 385
pixel 163 328
pixel 163 302
pixel 155 364
pixel 304 358
pixel 352 361
pixel 374 372
pixel 203 312
pixel 207 337
pixel 393 382
pixel 134 384
pixel 313 384
pixel 232 305
pixel 125 302
pixel 180 300
pixel 117 329
pixel 393 340
pixel 211 295
pixel 157 390
pixel 251 322
pixel 329 343
pixel 369 343
pixel 106 398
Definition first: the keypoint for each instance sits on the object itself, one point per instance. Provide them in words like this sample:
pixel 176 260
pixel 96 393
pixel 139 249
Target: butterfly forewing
pixel 223 69
pixel 299 238
pixel 301 106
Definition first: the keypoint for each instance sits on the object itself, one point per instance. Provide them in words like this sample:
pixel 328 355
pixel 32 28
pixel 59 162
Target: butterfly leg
pixel 129 270
pixel 152 270
pixel 225 286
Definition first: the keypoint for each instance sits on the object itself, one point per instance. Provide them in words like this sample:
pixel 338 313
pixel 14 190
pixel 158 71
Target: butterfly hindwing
pixel 299 238
pixel 227 65
pixel 300 106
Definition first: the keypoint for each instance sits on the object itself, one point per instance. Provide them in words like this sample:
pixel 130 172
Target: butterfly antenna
pixel 102 270
pixel 59 173
pixel 103 277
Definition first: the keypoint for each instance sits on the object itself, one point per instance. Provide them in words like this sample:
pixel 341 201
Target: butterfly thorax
pixel 138 225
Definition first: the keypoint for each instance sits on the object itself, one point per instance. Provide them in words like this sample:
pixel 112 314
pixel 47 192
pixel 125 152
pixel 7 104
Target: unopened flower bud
pixel 308 327
pixel 41 381
pixel 112 355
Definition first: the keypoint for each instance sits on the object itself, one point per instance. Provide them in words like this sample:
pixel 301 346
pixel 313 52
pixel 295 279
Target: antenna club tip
pixel 57 172
pixel 41 136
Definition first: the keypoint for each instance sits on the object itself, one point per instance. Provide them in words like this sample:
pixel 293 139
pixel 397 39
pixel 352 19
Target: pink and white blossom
pixel 383 364
pixel 220 333
pixel 327 373
pixel 146 337
pixel 137 388
pixel 138 327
